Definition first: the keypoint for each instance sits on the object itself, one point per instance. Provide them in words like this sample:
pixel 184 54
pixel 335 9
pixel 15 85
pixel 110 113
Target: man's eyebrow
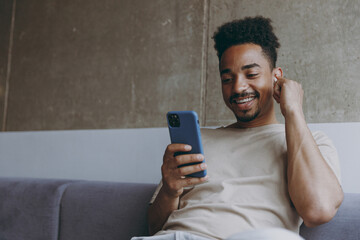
pixel 228 70
pixel 250 66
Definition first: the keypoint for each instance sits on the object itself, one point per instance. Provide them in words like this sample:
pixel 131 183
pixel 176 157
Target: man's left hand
pixel 289 94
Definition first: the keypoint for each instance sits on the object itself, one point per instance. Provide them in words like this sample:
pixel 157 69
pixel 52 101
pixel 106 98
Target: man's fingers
pixel 277 90
pixel 178 147
pixel 276 97
pixel 188 158
pixel 280 81
pixel 186 170
pixel 171 149
pixel 190 181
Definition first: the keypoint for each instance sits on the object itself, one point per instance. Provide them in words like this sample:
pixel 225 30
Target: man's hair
pixel 256 30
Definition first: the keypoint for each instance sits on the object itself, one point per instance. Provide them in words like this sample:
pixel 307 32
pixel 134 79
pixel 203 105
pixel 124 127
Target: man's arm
pixel 174 182
pixel 160 210
pixel 313 186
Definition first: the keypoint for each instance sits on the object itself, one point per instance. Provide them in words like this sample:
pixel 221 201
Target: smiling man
pixel 247 90
pixel 265 178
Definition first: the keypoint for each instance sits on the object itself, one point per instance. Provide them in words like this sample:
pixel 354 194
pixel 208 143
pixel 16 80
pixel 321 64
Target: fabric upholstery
pixel 29 208
pixel 345 225
pixel 103 210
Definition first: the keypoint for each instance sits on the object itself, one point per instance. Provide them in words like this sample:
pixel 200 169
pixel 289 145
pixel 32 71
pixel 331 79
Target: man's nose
pixel 240 84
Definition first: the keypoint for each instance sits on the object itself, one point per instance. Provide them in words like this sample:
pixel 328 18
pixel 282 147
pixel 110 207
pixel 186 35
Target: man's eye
pixel 253 75
pixel 226 80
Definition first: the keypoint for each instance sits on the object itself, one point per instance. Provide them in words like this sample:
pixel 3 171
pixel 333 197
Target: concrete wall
pixel 90 64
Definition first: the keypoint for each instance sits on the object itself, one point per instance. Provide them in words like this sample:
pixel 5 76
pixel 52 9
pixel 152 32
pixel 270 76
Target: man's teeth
pixel 244 100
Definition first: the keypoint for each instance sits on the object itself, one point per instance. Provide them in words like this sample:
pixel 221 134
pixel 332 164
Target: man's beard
pixel 247 118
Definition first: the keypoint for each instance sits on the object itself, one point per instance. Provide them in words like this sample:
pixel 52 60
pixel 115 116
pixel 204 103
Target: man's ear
pixel 277 72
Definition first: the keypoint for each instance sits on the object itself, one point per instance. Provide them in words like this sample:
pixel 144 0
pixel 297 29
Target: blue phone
pixel 184 128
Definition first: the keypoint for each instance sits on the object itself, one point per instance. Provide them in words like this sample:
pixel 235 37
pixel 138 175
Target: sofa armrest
pixel 345 224
pixel 29 208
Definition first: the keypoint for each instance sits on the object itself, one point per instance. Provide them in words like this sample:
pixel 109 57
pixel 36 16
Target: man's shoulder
pixel 320 136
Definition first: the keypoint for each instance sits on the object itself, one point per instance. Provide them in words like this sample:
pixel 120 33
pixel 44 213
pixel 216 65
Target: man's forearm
pixel 313 187
pixel 160 210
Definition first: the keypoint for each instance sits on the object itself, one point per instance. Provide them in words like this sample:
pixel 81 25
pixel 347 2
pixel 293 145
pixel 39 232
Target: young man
pixel 265 178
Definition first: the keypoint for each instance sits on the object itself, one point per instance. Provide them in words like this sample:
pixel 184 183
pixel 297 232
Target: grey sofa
pixel 72 209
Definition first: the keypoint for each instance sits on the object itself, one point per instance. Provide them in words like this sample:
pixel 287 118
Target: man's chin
pixel 246 117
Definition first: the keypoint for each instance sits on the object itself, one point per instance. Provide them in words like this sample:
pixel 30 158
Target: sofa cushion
pixel 104 210
pixel 345 224
pixel 29 208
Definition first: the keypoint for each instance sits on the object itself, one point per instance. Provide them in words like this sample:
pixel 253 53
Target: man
pixel 264 178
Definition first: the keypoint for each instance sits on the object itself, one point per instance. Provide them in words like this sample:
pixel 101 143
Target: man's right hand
pixel 174 181
pixel 173 176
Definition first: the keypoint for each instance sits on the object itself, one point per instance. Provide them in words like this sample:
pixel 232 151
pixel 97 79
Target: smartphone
pixel 184 128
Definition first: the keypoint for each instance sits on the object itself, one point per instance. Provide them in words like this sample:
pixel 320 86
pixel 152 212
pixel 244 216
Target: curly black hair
pixel 256 30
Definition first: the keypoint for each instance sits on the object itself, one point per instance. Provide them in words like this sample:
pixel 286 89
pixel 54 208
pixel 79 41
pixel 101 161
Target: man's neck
pixel 257 122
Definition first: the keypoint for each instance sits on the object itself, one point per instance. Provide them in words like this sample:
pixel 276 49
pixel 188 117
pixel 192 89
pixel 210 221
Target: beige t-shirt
pixel 247 187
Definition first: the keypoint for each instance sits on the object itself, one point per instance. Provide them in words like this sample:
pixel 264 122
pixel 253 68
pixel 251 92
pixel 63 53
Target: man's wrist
pixel 294 113
pixel 168 196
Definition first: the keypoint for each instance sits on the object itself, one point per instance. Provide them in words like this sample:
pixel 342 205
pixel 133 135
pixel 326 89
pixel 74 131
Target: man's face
pixel 247 84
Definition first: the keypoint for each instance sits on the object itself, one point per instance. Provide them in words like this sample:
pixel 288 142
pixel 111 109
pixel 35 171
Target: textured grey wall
pixel 319 48
pixel 90 64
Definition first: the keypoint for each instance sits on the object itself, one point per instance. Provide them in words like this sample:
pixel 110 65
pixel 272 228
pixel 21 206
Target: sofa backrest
pixel 130 155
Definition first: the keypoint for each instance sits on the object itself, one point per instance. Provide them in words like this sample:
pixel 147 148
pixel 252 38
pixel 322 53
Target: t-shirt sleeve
pixel 329 152
pixel 157 190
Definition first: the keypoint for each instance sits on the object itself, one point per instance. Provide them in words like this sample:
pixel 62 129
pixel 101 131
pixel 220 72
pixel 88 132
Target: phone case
pixel 188 132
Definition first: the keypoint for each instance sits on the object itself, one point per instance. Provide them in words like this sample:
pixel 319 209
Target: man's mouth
pixel 243 97
pixel 244 100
